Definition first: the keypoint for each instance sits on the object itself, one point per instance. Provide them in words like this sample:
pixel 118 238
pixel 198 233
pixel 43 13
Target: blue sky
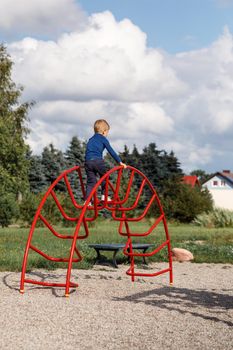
pixel 158 70
pixel 173 25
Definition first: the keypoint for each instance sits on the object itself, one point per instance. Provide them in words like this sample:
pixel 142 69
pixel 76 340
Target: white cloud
pixel 182 102
pixel 147 118
pixel 208 72
pixel 129 121
pixel 204 113
pixel 37 17
pixel 193 155
pixel 95 63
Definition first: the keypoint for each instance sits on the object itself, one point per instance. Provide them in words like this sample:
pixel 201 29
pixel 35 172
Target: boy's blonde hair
pixel 101 125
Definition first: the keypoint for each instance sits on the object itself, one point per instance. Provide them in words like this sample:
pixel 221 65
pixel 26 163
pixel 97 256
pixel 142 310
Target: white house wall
pixel 222 199
pixel 210 184
pixel 222 193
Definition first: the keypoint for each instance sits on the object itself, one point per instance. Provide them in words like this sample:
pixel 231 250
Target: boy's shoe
pixel 89 204
pixel 103 198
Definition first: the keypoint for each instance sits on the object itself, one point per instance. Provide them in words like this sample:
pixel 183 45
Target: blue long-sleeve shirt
pixel 95 147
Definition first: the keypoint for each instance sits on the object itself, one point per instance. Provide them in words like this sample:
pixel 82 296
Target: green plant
pixel 13 129
pixel 28 207
pixel 183 203
pixel 9 209
pixel 216 218
pixel 213 245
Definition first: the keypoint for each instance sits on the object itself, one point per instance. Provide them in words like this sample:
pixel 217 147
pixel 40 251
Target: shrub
pixel 50 210
pixel 183 203
pixel 28 207
pixel 9 209
pixel 216 218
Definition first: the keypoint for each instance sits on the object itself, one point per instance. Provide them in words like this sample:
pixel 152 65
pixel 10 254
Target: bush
pixel 28 207
pixel 216 218
pixel 50 210
pixel 9 209
pixel 183 203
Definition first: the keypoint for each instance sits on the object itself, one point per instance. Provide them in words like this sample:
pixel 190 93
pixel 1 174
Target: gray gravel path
pixel 108 311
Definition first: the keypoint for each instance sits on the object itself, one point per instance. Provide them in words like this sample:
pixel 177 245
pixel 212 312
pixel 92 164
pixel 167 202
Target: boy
pixel 94 163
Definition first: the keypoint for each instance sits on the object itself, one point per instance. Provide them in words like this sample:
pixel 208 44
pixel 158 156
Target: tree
pixel 75 153
pixel 28 207
pixel 171 171
pixel 201 174
pixel 53 162
pixel 183 203
pixel 152 165
pixel 172 165
pixel 9 209
pixel 125 155
pixel 133 158
pixel 13 131
pixel 36 175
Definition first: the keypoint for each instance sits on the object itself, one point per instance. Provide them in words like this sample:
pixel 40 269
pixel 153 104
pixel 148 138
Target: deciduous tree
pixel 13 131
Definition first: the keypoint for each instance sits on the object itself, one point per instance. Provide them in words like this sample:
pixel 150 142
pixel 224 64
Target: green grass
pixel 213 245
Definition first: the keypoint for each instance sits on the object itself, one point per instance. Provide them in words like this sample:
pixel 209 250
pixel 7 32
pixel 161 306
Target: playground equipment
pixel 127 188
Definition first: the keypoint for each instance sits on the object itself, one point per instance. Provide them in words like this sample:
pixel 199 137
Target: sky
pixel 158 71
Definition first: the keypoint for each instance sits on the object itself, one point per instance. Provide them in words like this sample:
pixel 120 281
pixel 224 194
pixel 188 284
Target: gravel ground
pixel 108 311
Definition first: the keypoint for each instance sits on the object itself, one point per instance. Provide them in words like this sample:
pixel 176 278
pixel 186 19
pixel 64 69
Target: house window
pixel 223 183
pixel 215 183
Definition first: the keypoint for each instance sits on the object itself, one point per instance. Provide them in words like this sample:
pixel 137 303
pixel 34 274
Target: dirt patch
pixel 108 311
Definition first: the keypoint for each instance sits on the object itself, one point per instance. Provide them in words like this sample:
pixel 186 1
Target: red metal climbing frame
pixel 121 187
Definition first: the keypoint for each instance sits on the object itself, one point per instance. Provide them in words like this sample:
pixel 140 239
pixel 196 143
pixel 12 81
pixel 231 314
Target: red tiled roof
pixel 191 180
pixel 227 174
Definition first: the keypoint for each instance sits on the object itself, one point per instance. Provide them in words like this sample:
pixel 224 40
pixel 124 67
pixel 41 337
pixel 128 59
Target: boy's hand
pixel 124 165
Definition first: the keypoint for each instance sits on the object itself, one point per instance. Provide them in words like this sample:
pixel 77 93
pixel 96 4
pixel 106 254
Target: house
pixel 220 185
pixel 191 180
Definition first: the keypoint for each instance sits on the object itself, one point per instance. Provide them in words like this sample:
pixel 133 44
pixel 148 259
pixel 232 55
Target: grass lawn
pixel 207 245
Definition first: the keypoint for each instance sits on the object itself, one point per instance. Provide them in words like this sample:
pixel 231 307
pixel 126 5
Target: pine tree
pixel 54 163
pixel 173 165
pixel 75 153
pixel 36 176
pixel 125 155
pixel 151 163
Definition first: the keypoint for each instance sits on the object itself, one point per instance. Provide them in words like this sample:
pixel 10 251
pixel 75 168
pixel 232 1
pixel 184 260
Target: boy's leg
pixel 101 169
pixel 91 176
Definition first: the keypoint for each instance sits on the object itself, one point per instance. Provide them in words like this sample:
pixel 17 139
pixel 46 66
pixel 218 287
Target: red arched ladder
pixel 121 185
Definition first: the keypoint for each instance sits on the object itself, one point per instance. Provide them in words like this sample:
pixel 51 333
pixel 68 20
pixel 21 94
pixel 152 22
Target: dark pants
pixel 93 168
